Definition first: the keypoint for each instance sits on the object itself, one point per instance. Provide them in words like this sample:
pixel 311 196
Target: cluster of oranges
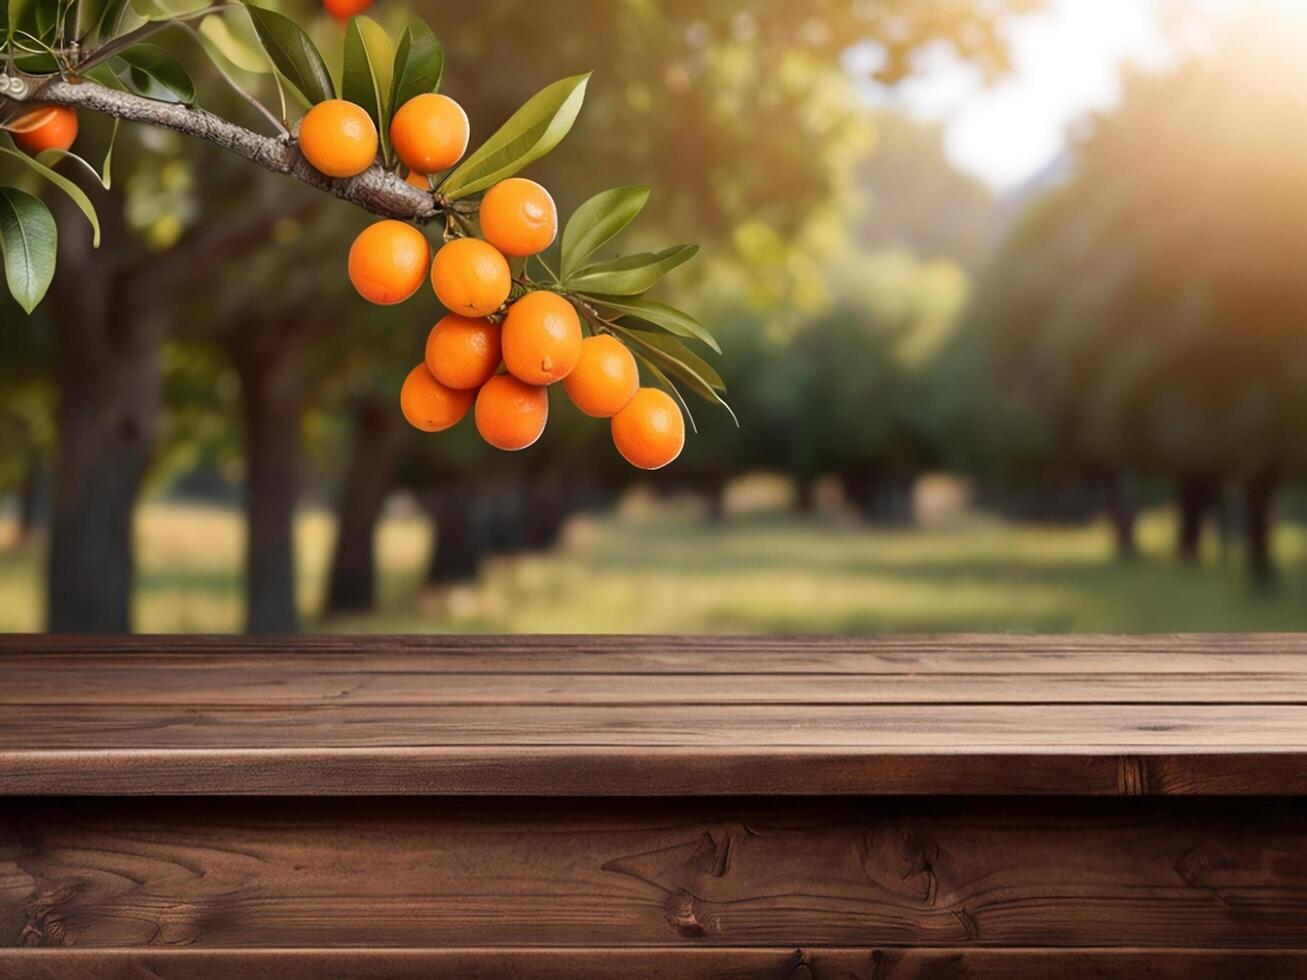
pixel 537 337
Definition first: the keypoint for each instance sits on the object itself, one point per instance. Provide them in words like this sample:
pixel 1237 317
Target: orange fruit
pixel 429 132
pixel 650 431
pixel 388 261
pixel 338 138
pixel 605 378
pixel 511 414
pixel 463 352
pixel 345 9
pixel 518 217
pixel 421 181
pixel 430 406
pixel 53 127
pixel 470 277
pixel 542 338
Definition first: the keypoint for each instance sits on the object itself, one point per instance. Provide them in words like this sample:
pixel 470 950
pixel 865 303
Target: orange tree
pixel 389 143
pixel 61 59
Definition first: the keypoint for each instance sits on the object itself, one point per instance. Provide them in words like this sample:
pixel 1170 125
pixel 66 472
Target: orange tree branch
pixel 374 190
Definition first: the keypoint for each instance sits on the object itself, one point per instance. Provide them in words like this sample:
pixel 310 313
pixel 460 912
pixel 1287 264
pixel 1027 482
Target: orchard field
pixel 668 572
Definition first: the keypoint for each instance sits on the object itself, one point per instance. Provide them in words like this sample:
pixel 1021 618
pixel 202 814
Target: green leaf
pixel 658 375
pixel 598 220
pixel 293 54
pixel 165 9
pixel 419 64
pixel 365 81
pixel 661 315
pixel 632 274
pixel 218 36
pixel 67 186
pixel 679 362
pixel 672 348
pixel 103 176
pixel 531 132
pixel 28 237
pixel 111 18
pixel 18 11
pixel 154 72
pixel 54 156
pixel 47 16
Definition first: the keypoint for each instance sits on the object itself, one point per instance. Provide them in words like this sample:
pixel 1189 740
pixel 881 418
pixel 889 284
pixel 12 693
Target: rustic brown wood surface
pixel 654 715
pixel 896 808
pixel 437 872
pixel 665 963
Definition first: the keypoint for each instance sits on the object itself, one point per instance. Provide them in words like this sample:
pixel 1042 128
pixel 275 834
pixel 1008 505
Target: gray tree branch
pixel 374 190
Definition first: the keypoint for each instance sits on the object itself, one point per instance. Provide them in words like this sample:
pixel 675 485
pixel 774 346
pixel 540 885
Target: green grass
pixel 748 575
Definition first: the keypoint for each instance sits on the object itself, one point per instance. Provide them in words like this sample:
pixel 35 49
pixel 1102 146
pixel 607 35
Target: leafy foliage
pixel 366 77
pixel 27 237
pixel 529 134
pixel 596 221
pixel 293 54
pixel 419 64
pixel 152 71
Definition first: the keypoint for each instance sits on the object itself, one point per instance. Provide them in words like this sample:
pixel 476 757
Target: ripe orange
pixel 338 138
pixel 388 261
pixel 430 406
pixel 605 378
pixel 429 132
pixel 511 414
pixel 470 277
pixel 649 432
pixel 542 338
pixel 421 181
pixel 518 217
pixel 343 10
pixel 52 127
pixel 463 352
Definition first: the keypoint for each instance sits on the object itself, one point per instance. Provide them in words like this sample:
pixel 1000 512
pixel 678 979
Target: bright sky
pixel 1066 63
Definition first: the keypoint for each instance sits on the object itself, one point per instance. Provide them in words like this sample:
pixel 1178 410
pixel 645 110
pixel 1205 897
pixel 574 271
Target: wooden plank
pixel 664 715
pixel 564 771
pixel 747 963
pixel 429 873
pixel 1197 653
pixel 155 681
pixel 963 729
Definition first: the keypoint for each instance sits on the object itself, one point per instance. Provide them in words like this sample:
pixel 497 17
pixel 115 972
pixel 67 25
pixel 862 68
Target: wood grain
pixel 609 716
pixel 962 729
pixel 1161 653
pixel 665 963
pixel 427 873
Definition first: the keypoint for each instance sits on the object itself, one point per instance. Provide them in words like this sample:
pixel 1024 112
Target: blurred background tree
pixel 1146 317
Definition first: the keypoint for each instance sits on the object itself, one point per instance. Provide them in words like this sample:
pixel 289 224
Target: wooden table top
pixel 653 716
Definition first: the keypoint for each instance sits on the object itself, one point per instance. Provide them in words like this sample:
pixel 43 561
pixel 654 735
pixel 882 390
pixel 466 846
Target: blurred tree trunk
pixel 1194 500
pixel 1258 501
pixel 860 492
pixel 1121 511
pixel 500 517
pixel 459 542
pixel 805 493
pixel 107 367
pixel 29 496
pixel 545 512
pixel 268 359
pixel 112 308
pixel 353 583
pixel 716 495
